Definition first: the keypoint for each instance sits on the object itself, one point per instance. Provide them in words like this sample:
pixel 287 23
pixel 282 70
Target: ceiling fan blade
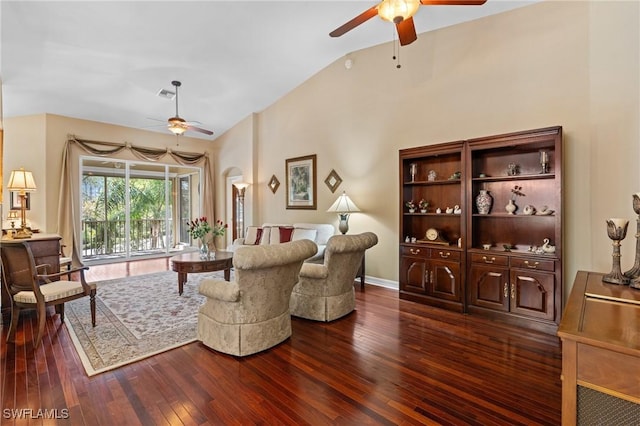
pixel 360 19
pixel 453 2
pixel 406 32
pixel 198 129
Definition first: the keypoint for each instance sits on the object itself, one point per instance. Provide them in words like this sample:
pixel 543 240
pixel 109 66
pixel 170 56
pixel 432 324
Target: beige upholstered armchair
pixel 325 292
pixel 251 313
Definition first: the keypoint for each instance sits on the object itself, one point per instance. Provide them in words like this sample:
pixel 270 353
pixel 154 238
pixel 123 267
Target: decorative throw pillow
pixel 266 235
pixel 254 235
pixel 304 234
pixel 285 233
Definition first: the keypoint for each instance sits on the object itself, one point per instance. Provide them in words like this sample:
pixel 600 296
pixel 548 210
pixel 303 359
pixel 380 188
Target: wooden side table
pixel 600 333
pixel 190 263
pixel 361 274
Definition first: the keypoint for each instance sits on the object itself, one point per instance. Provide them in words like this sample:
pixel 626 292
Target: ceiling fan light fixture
pixel 177 125
pixel 397 11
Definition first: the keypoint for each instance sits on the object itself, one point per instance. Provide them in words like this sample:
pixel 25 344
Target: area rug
pixel 136 317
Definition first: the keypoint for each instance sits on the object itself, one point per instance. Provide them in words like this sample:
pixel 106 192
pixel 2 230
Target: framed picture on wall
pixel 16 202
pixel 301 182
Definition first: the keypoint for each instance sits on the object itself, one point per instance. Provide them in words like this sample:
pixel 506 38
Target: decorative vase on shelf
pixel 484 201
pixel 412 210
pixel 511 207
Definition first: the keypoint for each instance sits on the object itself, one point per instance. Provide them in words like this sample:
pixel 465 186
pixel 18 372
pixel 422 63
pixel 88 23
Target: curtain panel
pixel 69 204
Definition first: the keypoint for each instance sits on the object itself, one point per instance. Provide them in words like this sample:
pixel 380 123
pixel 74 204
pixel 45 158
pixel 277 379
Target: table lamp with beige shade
pixel 343 206
pixel 22 182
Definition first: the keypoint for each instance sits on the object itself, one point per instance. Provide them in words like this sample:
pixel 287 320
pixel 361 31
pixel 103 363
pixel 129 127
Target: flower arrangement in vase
pixel 199 228
pixel 423 204
pixel 411 205
pixel 516 191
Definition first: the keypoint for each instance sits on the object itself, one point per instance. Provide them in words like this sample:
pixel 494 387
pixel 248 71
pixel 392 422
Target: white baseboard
pixel 381 282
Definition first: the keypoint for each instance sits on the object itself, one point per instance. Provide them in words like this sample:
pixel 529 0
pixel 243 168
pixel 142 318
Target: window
pixel 132 209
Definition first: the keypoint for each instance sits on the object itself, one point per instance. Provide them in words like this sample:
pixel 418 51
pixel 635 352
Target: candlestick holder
pixel 544 162
pixel 634 273
pixel 616 230
pixel 413 170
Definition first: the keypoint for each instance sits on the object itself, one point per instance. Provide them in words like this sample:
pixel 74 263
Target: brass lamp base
pixel 22 233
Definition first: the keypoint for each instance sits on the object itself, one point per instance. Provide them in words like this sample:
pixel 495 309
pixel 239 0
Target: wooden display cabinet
pixel 492 264
pixel 432 271
pixel 519 279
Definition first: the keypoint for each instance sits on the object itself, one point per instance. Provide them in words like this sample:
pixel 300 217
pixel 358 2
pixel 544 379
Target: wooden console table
pixel 600 333
pixel 46 250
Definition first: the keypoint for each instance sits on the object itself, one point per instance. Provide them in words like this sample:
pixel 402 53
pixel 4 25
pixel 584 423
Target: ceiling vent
pixel 167 94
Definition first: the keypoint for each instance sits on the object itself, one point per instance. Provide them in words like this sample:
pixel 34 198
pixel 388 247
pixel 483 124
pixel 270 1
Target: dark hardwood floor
pixel 389 362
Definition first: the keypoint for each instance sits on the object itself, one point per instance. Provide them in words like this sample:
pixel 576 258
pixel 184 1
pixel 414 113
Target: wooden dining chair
pixel 32 287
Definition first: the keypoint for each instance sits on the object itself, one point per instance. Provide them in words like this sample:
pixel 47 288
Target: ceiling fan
pixel 400 12
pixel 177 125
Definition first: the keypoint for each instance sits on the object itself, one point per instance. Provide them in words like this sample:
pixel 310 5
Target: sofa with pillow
pixel 272 233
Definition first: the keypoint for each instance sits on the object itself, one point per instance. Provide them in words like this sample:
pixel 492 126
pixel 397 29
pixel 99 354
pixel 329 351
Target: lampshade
pixel 398 10
pixel 21 180
pixel 343 205
pixel 13 215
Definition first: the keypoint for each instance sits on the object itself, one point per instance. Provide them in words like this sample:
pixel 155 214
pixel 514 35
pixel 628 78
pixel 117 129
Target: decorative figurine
pixel 457 209
pixel 616 230
pixel 431 176
pixel 546 247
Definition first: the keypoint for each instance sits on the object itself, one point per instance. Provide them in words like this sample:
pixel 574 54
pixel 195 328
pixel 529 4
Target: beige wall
pixel 573 64
pixel 36 143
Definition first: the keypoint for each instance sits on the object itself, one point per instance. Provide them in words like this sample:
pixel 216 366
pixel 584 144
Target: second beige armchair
pixel 251 313
pixel 325 291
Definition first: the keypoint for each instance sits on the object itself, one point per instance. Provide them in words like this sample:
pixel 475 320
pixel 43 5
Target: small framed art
pixel 333 181
pixel 273 184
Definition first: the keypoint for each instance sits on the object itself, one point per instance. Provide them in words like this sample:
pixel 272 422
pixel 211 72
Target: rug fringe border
pixel 86 363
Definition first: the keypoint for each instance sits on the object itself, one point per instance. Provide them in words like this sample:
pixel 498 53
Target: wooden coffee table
pixel 190 263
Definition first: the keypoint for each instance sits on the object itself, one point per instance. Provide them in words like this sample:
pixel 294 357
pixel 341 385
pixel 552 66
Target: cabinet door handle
pixel 505 290
pixel 531 265
pixel 513 291
pixel 487 260
pixel 414 251
pixel 444 256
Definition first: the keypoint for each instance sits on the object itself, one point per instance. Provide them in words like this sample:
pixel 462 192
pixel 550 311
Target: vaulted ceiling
pixel 106 61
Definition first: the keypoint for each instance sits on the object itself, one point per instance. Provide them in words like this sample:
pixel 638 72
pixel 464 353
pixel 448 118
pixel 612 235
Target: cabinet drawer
pixel 537 264
pixel 490 259
pixel 414 251
pixel 445 254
